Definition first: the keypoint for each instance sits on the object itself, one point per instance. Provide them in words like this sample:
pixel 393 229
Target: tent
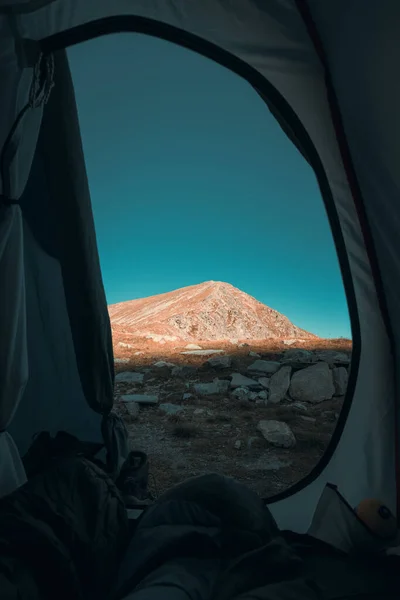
pixel 327 70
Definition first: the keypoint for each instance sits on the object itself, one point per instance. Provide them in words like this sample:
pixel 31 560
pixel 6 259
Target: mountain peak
pixel 212 310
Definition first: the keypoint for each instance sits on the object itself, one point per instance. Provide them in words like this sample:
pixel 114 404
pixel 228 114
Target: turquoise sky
pixel 192 180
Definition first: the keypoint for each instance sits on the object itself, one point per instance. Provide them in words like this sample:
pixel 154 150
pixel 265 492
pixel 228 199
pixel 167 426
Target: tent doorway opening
pixel 231 332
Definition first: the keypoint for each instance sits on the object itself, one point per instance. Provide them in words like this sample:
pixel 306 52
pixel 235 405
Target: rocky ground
pixel 262 413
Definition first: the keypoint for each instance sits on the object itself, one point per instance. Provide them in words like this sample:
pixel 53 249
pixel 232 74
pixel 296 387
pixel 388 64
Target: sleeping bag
pixel 211 538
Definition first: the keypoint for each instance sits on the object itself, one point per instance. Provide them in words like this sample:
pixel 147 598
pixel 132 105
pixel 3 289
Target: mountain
pixel 209 311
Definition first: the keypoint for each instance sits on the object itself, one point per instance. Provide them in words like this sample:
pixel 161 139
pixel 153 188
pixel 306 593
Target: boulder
pixel 218 386
pixel 183 371
pixel 241 393
pixel 313 384
pixel 298 355
pixel 296 365
pixel 254 354
pixel 238 380
pixel 129 377
pixel 332 357
pixel 263 395
pixel 238 444
pixel 187 396
pixel 171 409
pixel 140 398
pixel 253 396
pixel 161 364
pixel 220 362
pixel 279 384
pixel 340 380
pixel 277 433
pixel 265 367
pixel 264 381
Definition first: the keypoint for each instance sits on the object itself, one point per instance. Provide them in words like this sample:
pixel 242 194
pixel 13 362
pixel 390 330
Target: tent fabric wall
pixel 29 78
pixel 69 333
pixel 76 245
pixel 53 399
pixel 272 41
pixel 15 159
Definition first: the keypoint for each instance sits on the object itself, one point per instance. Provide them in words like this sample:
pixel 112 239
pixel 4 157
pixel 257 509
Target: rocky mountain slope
pixel 209 311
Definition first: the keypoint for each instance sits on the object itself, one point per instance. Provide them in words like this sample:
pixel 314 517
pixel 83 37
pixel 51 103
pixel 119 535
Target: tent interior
pixel 326 70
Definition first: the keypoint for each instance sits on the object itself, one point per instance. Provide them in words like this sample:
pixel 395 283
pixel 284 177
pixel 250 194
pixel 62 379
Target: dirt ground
pixel 219 433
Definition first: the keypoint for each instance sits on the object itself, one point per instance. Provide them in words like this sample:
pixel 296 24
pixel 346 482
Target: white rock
pixel 313 384
pixel 193 347
pixel 241 393
pixel 123 345
pixel 308 419
pixel 199 411
pixel 220 362
pixel 279 385
pixel 299 406
pixel 161 339
pixel 202 352
pixel 263 395
pixel 289 342
pixel 121 360
pixel 171 409
pixel 340 380
pixel 161 364
pixel 268 367
pixel 298 355
pixel 238 444
pixel 277 433
pixel 254 354
pixel 129 377
pixel 264 382
pixel 140 398
pixel 238 380
pixel 133 409
pixel 138 353
pixel 218 386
